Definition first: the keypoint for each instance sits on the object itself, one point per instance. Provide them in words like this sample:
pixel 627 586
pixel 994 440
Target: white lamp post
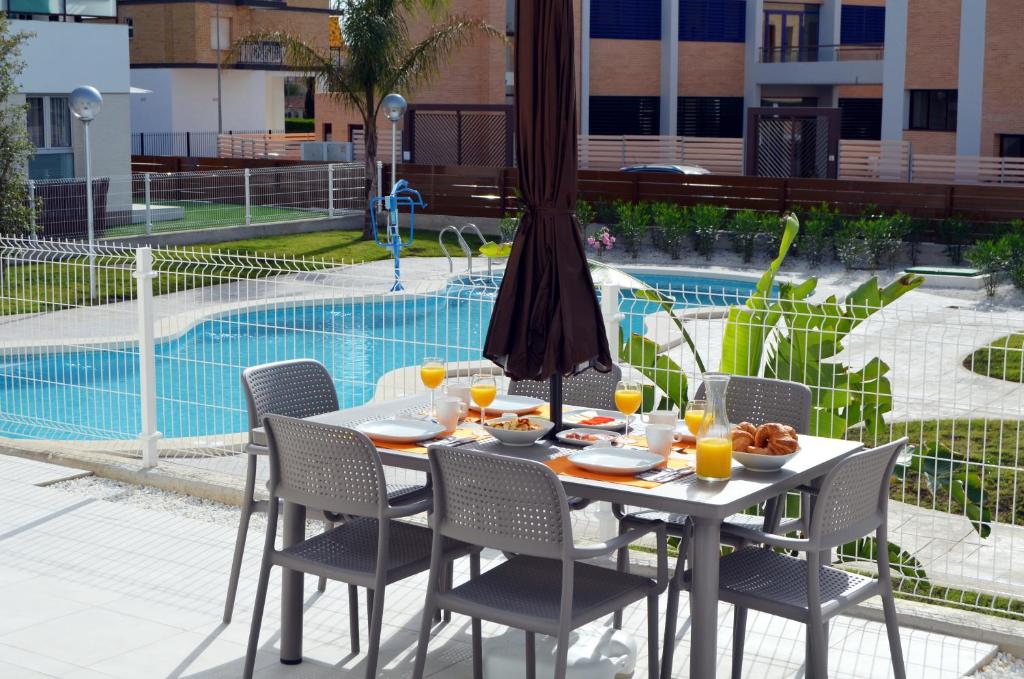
pixel 394 107
pixel 85 103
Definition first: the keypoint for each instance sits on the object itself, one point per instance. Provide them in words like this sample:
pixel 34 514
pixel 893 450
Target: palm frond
pixel 425 59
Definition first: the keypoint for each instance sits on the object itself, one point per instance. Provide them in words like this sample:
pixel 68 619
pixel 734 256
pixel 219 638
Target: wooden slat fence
pixel 284 146
pixel 490 192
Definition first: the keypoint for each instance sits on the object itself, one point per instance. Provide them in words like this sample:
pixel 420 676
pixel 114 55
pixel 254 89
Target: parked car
pixel 667 169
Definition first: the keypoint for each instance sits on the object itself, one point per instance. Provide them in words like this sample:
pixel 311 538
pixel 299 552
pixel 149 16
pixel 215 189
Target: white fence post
pixel 330 190
pixel 612 317
pixel 149 214
pixel 144 276
pixel 248 199
pixel 32 208
pixel 380 178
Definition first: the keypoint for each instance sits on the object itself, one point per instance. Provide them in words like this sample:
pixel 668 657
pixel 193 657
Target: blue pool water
pixel 93 393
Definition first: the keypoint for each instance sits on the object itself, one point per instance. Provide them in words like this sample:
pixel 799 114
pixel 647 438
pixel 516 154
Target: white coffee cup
pixel 461 392
pixel 668 417
pixel 660 438
pixel 447 411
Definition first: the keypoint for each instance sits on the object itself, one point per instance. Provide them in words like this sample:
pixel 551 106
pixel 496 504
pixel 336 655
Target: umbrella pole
pixel 556 403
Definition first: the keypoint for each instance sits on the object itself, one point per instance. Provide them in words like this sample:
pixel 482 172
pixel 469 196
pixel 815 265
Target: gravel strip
pixel 1003 666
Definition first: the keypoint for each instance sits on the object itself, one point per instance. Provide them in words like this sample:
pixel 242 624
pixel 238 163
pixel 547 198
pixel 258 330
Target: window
pixel 710 117
pixel 223 28
pixel 862 25
pixel 624 115
pixel 625 19
pixel 860 118
pixel 1011 145
pixel 49 130
pixel 933 110
pixel 713 20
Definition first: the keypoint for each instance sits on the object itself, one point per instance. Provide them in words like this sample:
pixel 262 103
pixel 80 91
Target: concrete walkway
pixel 93 589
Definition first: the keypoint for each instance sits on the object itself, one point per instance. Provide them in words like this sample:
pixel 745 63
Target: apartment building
pixel 940 74
pixel 182 53
pixel 73 43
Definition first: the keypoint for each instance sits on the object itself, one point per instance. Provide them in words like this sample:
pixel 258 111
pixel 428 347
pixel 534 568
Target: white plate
pixel 564 438
pixel 575 417
pixel 518 405
pixel 608 460
pixel 401 430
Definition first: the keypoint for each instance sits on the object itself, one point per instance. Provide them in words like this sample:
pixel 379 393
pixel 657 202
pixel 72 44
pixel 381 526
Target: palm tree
pixel 378 57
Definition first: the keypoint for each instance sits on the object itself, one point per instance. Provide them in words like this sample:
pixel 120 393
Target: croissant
pixel 767 432
pixel 743 436
pixel 782 445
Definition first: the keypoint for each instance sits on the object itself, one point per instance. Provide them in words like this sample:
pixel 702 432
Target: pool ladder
pixel 457 230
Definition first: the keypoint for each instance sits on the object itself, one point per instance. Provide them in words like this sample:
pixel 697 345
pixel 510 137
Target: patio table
pixel 706 503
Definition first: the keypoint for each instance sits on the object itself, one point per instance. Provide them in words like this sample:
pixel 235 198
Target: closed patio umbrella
pixel 546 321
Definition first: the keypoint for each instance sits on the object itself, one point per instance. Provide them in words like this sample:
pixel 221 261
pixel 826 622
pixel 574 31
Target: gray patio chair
pixel 751 399
pixel 589 389
pixel 298 388
pixel 337 470
pixel 852 502
pixel 519 506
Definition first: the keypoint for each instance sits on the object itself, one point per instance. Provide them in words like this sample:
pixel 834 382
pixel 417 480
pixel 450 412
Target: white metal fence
pixel 155 202
pixel 149 371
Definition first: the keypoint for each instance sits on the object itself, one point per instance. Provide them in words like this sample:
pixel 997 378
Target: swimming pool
pixel 92 394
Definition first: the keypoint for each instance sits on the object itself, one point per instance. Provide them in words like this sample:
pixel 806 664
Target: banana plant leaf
pixel 942 470
pixel 662 371
pixel 747 330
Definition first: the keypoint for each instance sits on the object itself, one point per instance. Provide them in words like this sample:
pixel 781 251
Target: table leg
pixel 704 597
pixel 294 531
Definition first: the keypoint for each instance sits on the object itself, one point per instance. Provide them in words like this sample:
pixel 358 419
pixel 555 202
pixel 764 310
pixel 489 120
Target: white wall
pixel 185 100
pixel 61 56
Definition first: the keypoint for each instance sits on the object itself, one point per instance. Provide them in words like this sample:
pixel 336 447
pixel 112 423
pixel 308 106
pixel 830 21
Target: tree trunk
pixel 370 141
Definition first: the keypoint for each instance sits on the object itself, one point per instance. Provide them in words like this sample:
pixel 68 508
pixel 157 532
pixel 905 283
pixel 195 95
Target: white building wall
pixel 62 56
pixel 185 100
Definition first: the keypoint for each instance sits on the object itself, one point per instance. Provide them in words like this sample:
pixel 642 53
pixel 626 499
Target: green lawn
pixel 991 449
pixel 1002 359
pixel 213 215
pixel 66 284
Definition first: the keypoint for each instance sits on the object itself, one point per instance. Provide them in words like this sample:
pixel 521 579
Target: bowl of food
pixel 513 430
pixel 766 448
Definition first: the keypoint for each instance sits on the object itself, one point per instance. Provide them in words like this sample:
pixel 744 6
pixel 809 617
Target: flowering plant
pixel 601 241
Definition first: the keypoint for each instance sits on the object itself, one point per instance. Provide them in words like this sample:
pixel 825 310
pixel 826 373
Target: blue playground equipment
pixel 401 196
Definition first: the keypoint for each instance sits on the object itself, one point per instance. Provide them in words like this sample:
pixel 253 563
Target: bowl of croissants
pixel 764 448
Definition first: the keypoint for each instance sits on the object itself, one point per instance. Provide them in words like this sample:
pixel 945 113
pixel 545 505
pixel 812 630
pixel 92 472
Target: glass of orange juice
pixel 483 391
pixel 694 414
pixel 432 374
pixel 628 398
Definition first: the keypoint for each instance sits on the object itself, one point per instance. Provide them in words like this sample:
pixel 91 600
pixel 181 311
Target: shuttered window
pixel 624 115
pixel 710 117
pixel 860 118
pixel 862 25
pixel 625 19
pixel 713 20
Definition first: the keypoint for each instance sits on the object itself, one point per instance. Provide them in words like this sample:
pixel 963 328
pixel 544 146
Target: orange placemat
pixel 421 449
pixel 562 465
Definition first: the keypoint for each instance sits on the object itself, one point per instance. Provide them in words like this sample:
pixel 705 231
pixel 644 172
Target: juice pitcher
pixel 714 436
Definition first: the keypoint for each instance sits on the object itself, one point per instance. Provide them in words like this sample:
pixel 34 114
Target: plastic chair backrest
pixel 590 388
pixel 762 399
pixel 325 467
pixel 299 388
pixel 501 502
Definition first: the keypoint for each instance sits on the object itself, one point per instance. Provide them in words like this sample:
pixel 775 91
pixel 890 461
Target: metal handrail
pixel 462 244
pixel 822 53
pixel 483 241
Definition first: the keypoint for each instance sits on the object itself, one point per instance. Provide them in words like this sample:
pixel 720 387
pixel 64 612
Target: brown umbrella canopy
pixel 546 320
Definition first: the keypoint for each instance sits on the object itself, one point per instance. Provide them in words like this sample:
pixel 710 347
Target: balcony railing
pixel 813 53
pixel 264 53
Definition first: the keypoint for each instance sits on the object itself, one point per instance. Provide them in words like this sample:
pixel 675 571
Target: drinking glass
pixel 483 390
pixel 628 398
pixel 695 410
pixel 432 373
